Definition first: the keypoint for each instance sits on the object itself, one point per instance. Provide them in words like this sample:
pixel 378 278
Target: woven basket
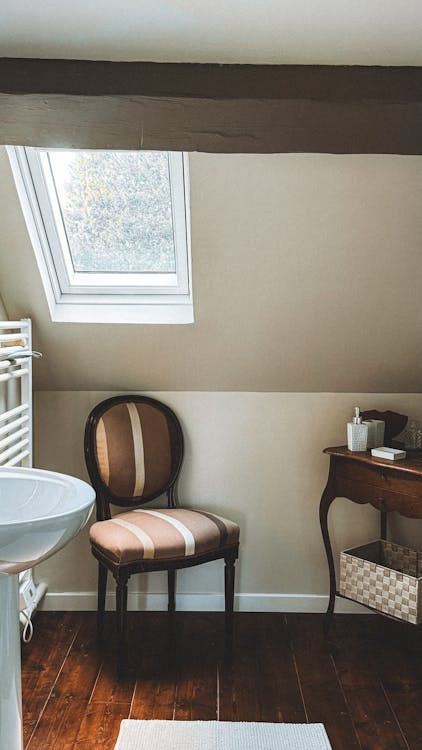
pixel 385 577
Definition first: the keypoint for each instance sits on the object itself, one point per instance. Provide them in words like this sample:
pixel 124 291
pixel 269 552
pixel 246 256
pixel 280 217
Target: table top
pixel 407 465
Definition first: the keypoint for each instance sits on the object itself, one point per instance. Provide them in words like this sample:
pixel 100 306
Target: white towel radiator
pixel 16 428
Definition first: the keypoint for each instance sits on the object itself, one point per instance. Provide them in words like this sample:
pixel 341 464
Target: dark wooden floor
pixel 365 684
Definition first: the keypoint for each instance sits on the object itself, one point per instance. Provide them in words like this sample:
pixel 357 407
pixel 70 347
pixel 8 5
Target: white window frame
pixel 102 297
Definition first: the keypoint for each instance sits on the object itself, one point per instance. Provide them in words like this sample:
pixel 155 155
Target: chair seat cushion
pixel 162 534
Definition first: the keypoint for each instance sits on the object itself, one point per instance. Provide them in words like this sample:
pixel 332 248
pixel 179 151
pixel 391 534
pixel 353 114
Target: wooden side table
pixel 387 485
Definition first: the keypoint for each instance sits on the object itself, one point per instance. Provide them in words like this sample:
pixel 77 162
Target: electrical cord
pixel 28 629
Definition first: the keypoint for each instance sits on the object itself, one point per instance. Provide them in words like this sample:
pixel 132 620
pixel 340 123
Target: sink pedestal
pixel 40 512
pixel 10 664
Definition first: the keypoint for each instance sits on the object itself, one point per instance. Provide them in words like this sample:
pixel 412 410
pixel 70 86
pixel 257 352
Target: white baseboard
pixel 87 601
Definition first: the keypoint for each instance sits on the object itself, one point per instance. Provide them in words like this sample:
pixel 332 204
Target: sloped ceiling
pixel 306 277
pixel 329 32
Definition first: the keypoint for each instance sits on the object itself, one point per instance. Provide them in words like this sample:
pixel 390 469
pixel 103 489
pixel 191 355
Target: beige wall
pixel 255 457
pixel 306 276
pixel 3 313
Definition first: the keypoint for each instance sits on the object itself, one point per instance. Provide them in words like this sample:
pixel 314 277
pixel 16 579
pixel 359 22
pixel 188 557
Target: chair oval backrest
pixel 133 449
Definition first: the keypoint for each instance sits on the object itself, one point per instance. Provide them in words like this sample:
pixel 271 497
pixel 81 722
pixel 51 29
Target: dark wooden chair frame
pixel 121 572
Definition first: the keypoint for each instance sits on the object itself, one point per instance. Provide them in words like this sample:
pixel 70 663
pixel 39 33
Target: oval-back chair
pixel 134 453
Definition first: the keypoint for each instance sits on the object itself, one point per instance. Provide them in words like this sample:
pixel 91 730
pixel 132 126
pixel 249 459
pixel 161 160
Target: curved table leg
pixel 327 498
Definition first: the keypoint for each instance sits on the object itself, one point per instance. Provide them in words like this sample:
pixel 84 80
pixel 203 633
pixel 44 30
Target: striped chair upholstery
pixel 134 453
pixel 133 449
pixel 168 533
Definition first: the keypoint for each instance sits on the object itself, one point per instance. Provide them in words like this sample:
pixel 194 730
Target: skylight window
pixel 110 230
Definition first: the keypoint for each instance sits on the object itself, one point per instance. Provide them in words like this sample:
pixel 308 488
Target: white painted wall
pixel 256 457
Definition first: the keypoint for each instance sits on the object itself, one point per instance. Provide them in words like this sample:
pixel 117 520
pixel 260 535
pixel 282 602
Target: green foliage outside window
pixel 116 208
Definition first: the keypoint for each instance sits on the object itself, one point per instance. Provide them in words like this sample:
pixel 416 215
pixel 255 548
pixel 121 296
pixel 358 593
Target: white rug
pixel 219 735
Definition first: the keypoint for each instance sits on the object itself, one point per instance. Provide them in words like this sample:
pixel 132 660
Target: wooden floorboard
pixel 364 683
pixel 59 724
pixel 398 650
pixel 253 688
pixel 108 688
pixel 157 668
pixel 100 726
pixel 198 642
pixel 357 665
pixel 40 674
pixel 322 694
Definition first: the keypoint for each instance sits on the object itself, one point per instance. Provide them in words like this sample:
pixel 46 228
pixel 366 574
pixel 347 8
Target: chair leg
pixel 229 572
pixel 171 576
pixel 102 587
pixel 121 612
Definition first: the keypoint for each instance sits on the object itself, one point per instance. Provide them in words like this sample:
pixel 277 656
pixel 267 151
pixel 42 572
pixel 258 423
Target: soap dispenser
pixel 357 433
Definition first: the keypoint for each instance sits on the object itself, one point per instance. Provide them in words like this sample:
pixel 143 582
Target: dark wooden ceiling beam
pixel 216 108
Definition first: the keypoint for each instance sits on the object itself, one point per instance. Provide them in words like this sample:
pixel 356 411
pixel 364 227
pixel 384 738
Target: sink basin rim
pixel 82 488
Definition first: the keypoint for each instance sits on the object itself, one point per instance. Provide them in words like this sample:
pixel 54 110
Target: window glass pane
pixel 116 208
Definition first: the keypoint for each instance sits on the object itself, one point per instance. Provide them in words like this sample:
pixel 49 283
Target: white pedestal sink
pixel 40 511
